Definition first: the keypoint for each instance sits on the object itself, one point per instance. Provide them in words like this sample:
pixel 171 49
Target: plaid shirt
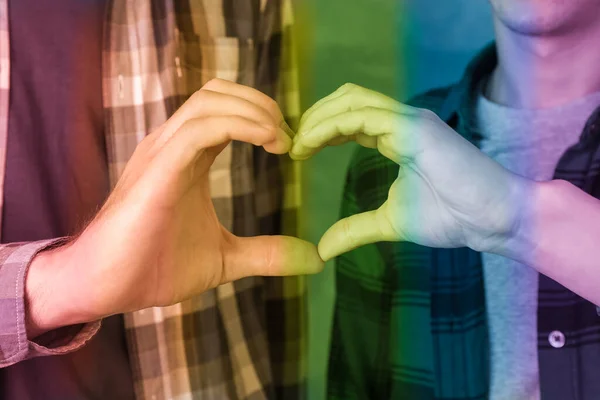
pixel 410 321
pixel 243 340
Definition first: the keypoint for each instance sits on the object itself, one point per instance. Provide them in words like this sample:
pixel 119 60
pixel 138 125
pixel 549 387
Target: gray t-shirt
pixel 529 143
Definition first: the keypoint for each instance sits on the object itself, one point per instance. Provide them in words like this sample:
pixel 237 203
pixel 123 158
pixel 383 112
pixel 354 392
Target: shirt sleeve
pixel 15 346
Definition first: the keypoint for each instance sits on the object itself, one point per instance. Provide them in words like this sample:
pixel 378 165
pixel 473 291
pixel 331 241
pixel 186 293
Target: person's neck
pixel 544 71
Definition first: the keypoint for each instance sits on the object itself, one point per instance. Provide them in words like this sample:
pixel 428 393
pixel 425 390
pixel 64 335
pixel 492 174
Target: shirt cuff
pixel 15 346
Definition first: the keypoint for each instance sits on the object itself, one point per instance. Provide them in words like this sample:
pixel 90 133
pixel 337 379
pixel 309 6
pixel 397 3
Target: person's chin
pixel 536 26
pixel 534 18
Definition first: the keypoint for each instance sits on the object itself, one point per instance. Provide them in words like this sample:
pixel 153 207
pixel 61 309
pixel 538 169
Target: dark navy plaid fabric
pixel 410 321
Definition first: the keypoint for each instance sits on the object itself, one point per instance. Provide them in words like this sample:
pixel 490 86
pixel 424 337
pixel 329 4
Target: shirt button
pixel 556 339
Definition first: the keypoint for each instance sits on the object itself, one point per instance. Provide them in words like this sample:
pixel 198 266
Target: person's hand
pixel 447 194
pixel 157 240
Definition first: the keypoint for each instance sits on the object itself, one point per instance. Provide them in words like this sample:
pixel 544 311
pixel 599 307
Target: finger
pixel 308 113
pixel 363 140
pixel 347 98
pixel 206 103
pixel 252 95
pixel 355 231
pixel 199 134
pixel 393 134
pixel 270 256
pixel 303 154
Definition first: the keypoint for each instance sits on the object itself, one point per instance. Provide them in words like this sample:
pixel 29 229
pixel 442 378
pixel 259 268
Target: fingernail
pixel 286 128
pixel 286 139
pixel 297 155
pixel 298 136
pixel 325 256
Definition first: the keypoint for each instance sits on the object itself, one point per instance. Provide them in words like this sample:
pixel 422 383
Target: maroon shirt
pixel 57 176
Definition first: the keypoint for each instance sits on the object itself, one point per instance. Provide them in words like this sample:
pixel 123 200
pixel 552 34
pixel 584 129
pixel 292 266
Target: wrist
pixel 542 203
pixel 51 292
pixel 515 239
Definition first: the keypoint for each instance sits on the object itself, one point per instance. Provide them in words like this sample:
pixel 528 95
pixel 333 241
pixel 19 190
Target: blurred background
pixel 398 47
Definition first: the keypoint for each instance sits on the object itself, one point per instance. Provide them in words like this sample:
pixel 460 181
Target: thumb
pixel 356 231
pixel 269 256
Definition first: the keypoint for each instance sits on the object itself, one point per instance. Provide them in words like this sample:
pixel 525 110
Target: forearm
pixel 559 236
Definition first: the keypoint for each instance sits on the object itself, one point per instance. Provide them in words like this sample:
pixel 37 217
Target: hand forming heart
pixel 447 194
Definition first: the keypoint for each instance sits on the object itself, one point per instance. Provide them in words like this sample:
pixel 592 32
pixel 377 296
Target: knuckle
pixel 427 114
pixel 368 109
pixel 206 123
pixel 346 228
pixel 198 96
pixel 349 86
pixel 269 257
pixel 187 124
pixel 356 91
pixel 213 84
pixel 270 132
pixel 272 106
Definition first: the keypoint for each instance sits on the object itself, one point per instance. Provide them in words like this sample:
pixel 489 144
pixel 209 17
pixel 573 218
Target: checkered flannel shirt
pixel 242 340
pixel 410 321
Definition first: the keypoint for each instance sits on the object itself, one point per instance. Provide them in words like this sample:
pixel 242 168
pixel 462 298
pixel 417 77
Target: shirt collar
pixel 591 131
pixel 460 102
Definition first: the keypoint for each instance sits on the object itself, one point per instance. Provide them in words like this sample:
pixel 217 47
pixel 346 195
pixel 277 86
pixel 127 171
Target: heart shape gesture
pixel 447 194
pixel 157 240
